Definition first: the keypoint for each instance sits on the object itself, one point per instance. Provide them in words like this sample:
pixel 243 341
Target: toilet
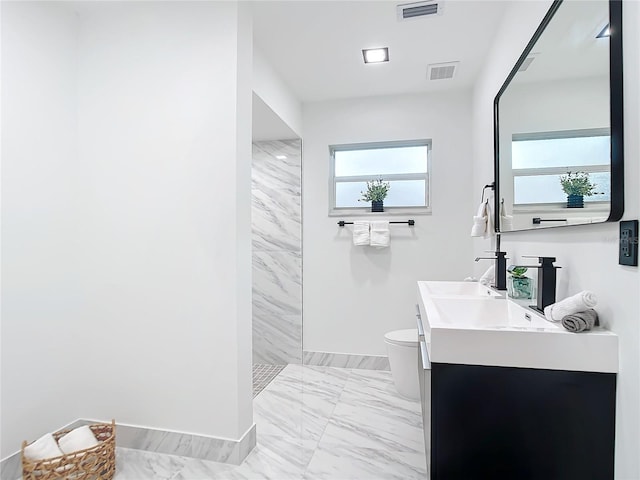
pixel 402 349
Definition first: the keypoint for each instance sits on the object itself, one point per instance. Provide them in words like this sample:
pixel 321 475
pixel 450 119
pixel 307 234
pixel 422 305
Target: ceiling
pixel 316 46
pixel 568 47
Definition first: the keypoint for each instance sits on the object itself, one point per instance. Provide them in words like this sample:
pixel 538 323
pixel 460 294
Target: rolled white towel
pixel 361 233
pixel 44 447
pixel 380 235
pixel 78 439
pixel 577 303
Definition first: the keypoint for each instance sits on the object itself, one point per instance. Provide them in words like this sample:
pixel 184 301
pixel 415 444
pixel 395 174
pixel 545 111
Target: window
pixel 405 165
pixel 539 159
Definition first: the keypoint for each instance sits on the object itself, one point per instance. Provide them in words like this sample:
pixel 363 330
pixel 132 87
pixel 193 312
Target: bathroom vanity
pixel 507 394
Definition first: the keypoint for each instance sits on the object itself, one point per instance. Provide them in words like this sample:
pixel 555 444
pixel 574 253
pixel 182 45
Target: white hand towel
pixel 380 235
pixel 44 447
pixel 489 276
pixel 482 221
pixel 577 303
pixel 80 438
pixel 506 221
pixel 361 233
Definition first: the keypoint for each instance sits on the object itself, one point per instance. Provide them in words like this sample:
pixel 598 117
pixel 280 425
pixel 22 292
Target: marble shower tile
pixel 342 360
pixel 267 151
pixel 277 283
pixel 356 463
pixel 269 173
pixel 276 222
pixel 277 339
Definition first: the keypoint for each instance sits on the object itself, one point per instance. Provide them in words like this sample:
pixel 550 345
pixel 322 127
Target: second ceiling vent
pixel 408 11
pixel 441 71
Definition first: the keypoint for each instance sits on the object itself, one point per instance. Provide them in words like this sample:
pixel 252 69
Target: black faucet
pixel 500 282
pixel 546 281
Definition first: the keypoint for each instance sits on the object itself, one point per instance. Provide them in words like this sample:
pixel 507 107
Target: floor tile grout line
pixel 350 370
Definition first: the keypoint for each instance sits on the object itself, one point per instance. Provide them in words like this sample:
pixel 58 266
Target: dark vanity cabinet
pixel 505 423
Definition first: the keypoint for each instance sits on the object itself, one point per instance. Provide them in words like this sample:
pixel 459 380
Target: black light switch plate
pixel 628 252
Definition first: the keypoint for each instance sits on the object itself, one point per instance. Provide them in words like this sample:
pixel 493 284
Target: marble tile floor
pixel 263 375
pixel 312 423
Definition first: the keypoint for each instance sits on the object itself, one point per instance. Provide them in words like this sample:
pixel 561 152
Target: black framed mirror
pixel 558 122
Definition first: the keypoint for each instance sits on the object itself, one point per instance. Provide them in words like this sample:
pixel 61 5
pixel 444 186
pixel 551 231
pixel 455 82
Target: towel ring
pixel 492 186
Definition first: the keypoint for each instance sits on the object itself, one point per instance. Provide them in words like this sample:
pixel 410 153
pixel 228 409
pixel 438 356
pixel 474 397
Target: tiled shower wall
pixel 277 252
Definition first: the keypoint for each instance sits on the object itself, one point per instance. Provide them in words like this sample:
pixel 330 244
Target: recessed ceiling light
pixel 281 157
pixel 376 55
pixel 605 32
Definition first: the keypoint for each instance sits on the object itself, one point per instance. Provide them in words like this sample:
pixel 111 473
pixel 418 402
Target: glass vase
pixel 519 287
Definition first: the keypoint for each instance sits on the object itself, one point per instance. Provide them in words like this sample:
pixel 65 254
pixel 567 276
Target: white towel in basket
pixel 44 447
pixel 80 438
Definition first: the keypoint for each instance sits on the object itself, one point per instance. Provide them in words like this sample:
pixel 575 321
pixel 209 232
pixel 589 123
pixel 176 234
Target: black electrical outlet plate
pixel 628 252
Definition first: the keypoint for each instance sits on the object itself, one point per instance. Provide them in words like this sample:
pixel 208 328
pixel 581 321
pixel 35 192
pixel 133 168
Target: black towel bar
pixel 538 220
pixel 411 222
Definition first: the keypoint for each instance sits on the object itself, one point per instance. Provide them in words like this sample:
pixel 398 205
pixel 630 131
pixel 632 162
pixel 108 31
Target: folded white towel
pixel 489 276
pixel 577 303
pixel 361 233
pixel 380 235
pixel 506 221
pixel 80 438
pixel 44 447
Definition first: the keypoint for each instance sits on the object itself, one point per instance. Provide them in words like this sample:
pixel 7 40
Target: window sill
pixel 600 207
pixel 388 211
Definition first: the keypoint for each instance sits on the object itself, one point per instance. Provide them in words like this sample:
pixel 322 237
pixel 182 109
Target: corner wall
pixel 587 253
pixel 126 246
pixel 354 295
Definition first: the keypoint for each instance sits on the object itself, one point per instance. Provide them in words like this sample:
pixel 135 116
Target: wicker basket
pixel 95 463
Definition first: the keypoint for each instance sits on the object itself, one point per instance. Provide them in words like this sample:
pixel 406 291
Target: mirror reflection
pixel 553 124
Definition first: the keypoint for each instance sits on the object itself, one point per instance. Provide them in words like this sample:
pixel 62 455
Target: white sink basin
pixel 475 330
pixel 457 289
pixel 477 313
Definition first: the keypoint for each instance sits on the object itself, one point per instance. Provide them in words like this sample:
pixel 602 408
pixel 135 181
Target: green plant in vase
pixel 519 286
pixel 577 185
pixel 377 191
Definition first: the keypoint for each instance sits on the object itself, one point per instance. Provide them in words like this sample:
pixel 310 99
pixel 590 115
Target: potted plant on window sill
pixel 377 191
pixel 577 186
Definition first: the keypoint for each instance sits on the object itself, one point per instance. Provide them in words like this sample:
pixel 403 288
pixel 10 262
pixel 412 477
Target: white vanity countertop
pixel 474 327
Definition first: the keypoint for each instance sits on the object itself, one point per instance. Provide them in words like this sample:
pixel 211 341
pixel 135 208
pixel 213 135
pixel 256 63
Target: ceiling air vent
pixel 408 11
pixel 441 71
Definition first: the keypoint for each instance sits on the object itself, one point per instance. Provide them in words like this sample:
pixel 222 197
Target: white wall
pixel 273 91
pixel 588 253
pixel 42 222
pixel 127 255
pixel 352 295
